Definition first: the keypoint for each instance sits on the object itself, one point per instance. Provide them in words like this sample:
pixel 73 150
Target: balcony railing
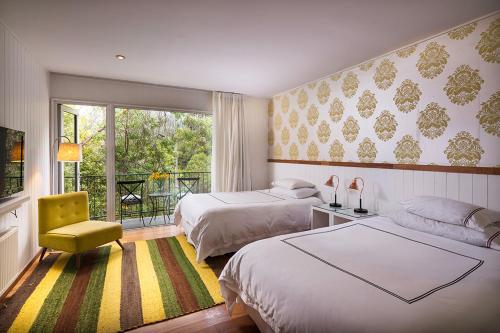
pixel 95 185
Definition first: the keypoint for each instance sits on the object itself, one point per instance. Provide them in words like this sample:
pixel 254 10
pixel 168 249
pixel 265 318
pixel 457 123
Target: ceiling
pixel 255 47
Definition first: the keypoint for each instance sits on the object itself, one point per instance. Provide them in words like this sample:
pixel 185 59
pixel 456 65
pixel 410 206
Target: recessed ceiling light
pixel 120 57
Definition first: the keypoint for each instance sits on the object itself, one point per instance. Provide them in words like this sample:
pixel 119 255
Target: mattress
pixel 218 223
pixel 367 276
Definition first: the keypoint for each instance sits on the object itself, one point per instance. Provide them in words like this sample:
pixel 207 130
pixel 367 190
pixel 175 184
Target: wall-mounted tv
pixel 11 162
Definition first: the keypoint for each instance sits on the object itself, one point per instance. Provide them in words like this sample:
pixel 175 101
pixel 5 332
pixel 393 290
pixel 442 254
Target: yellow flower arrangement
pixel 159 176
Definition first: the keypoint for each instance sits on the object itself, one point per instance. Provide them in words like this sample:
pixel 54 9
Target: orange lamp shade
pixel 69 152
pixel 329 182
pixel 354 185
pixel 17 152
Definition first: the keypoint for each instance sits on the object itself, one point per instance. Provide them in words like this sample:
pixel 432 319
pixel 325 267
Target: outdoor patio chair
pixel 131 194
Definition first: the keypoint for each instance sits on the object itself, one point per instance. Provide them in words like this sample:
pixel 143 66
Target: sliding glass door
pixel 86 125
pixel 163 155
pixel 136 163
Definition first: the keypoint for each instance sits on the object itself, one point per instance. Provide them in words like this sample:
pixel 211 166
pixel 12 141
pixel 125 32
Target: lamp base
pixel 334 204
pixel 361 210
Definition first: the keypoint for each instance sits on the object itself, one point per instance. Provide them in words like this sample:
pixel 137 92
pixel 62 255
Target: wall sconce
pixel 354 186
pixel 68 152
pixel 330 183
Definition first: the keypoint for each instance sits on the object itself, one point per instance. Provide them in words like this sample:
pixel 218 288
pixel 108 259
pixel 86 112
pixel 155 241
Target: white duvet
pixel 218 223
pixel 367 276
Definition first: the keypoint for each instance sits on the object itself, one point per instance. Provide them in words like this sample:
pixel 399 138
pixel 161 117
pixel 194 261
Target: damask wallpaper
pixel 435 102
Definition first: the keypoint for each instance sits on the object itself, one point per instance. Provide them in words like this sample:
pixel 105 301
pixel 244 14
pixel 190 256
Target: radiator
pixel 8 258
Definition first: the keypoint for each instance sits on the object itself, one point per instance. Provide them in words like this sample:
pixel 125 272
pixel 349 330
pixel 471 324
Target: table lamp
pixel 354 186
pixel 330 183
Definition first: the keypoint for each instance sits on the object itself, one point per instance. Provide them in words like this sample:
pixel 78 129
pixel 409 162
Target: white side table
pixel 325 216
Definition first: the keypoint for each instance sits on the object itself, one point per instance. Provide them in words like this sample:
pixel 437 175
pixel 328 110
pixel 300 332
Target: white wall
pixel 256 129
pixel 24 105
pixel 108 91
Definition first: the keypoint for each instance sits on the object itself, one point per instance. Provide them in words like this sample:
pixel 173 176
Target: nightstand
pixel 324 215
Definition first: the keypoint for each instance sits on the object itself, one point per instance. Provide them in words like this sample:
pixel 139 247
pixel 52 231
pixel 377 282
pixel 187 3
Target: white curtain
pixel 230 160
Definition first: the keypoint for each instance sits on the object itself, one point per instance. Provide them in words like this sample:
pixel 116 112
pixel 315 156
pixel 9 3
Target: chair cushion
pixel 82 236
pixel 130 199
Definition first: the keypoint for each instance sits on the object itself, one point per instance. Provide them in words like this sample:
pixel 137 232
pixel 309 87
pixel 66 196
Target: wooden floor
pixel 213 320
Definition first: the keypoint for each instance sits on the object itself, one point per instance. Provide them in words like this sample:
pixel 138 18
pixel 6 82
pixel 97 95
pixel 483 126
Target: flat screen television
pixel 11 162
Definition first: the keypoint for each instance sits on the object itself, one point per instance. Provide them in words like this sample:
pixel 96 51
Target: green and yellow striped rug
pixel 150 281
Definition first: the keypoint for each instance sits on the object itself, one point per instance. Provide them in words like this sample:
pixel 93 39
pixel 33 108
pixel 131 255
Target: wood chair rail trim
pixel 416 167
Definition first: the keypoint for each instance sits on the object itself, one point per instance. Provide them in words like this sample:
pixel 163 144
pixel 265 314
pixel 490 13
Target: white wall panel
pixel 493 188
pixel 24 105
pixel 384 188
pixel 480 190
pixel 452 185
pixel 465 188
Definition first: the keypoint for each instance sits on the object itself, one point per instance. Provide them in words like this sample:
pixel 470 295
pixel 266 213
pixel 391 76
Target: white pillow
pixel 291 183
pixel 299 193
pixel 451 211
pixel 490 237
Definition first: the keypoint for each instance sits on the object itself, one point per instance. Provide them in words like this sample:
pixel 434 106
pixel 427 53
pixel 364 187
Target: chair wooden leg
pixel 43 253
pixel 78 255
pixel 119 243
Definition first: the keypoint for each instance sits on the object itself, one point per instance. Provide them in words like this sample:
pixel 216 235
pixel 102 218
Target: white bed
pixel 366 276
pixel 219 223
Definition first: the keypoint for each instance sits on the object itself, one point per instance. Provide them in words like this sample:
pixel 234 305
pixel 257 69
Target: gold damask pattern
pixel 293 151
pixel 367 104
pixel 312 85
pixel 270 109
pixel 302 99
pixel 323 92
pixel 432 60
pixel 489 44
pixel 312 115
pixel 277 152
pixel 278 121
pixel 464 150
pixel 365 67
pixel 385 73
pixel 285 135
pixel 350 84
pixel 293 119
pixel 463 31
pixel 302 134
pixel 336 151
pixel 336 76
pixel 350 130
pixel 323 132
pixel 270 137
pixel 367 152
pixel 385 125
pixel 463 85
pixel 406 52
pixel 312 152
pixel 407 150
pixel 489 116
pixel 285 104
pixel 407 96
pixel 452 63
pixel 432 122
pixel 336 110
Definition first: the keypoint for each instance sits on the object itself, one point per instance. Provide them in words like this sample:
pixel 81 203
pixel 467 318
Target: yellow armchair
pixel 63 224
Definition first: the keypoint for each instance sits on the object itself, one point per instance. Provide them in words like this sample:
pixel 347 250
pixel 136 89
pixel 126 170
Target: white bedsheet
pixel 218 223
pixel 367 276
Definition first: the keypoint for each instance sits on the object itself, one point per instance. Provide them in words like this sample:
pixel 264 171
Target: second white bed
pixel 219 223
pixel 368 276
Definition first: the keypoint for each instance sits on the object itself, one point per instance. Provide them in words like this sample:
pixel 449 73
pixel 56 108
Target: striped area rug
pixel 150 281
